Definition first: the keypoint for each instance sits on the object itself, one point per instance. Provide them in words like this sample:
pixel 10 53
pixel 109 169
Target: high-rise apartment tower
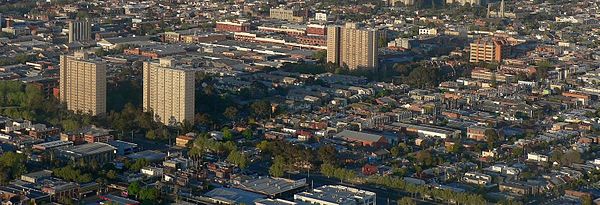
pixel 83 84
pixel 80 31
pixel 168 91
pixel 352 46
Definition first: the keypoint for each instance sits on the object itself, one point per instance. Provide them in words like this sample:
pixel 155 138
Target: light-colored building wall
pixel 286 14
pixel 353 46
pixel 464 2
pixel 80 31
pixel 488 50
pixel 83 84
pixel 168 91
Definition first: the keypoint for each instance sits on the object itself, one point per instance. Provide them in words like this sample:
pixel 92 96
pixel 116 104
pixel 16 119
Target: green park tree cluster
pixel 12 165
pixel 342 174
pixel 147 195
pixel 70 173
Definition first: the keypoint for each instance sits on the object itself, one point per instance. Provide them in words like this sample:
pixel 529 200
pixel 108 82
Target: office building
pixel 83 84
pixel 336 194
pixel 352 46
pixel 80 31
pixel 168 91
pixel 464 2
pixel 489 50
pixel 292 15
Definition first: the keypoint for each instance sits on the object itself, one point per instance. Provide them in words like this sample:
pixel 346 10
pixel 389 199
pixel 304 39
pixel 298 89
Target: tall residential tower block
pixel 168 91
pixel 352 46
pixel 80 31
pixel 83 84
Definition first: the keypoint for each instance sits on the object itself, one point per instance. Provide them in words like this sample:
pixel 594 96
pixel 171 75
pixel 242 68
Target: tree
pixel 278 167
pixel 227 135
pixel 148 195
pixel 70 125
pixel 587 200
pixel 395 151
pixel 70 173
pixel 12 165
pixel 542 69
pixel 570 157
pixel 261 108
pixel 231 113
pixel 424 157
pixel 134 188
pixel 111 174
pixel 557 155
pixel 263 146
pixel 406 201
pixel 138 164
pixel 151 135
pixel 238 158
pixel 491 137
pixel 320 56
pixel 328 170
pixel 517 152
pixel 510 202
pixel 422 77
pixel 247 133
pixel 327 154
pixel 455 148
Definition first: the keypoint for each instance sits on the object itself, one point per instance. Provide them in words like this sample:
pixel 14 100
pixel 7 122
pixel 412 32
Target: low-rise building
pixel 361 138
pixel 52 145
pixel 477 178
pixel 273 187
pixel 336 194
pixel 35 177
pixel 537 157
pixel 98 151
pixel 232 26
pixel 152 171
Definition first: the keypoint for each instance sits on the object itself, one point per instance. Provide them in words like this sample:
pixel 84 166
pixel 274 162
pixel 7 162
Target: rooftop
pixel 358 136
pixel 118 200
pixel 276 202
pixel 53 144
pixel 336 194
pixel 90 149
pixel 150 155
pixel 233 195
pixel 272 186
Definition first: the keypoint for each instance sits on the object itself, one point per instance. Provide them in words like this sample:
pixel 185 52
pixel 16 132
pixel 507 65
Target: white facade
pixel 537 157
pixel 428 31
pixel 321 16
pixel 152 171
